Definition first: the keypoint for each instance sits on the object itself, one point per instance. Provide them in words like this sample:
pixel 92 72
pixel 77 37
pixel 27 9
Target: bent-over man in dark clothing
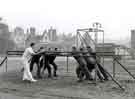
pixel 82 65
pixel 51 61
pixel 35 60
pixel 45 64
pixel 91 62
pixel 102 70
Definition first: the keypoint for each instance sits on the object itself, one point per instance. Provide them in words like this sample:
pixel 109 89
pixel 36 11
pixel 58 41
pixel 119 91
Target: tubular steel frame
pixel 16 53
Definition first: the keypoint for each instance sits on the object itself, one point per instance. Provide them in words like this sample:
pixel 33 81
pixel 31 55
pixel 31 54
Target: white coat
pixel 27 55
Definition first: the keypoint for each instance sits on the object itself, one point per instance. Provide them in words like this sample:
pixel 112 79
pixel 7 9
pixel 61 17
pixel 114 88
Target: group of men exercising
pixel 43 61
pixel 87 62
pixel 86 59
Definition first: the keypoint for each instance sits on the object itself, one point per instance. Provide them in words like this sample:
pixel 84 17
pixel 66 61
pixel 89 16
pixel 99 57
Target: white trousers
pixel 27 75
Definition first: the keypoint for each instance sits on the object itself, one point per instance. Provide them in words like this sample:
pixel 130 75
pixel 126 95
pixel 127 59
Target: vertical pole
pixel 124 57
pixel 103 48
pixel 96 35
pixel 96 30
pixel 67 64
pixel 114 67
pixel 6 62
pixel 77 40
pixel 96 69
pixel 96 25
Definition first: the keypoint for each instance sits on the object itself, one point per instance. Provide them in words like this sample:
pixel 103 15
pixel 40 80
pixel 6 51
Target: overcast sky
pixel 116 16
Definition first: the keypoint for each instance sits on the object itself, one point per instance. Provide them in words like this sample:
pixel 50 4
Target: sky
pixel 116 16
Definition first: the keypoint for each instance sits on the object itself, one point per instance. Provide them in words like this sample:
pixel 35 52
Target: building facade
pixel 19 37
pixel 4 31
pixel 49 36
pixel 45 37
pixel 52 33
pixel 32 31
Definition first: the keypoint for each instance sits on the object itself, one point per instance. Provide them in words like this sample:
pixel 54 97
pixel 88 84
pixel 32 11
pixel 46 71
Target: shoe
pixel 79 80
pixel 90 78
pixel 106 79
pixel 33 80
pixel 49 76
pixel 39 77
pixel 24 79
pixel 55 75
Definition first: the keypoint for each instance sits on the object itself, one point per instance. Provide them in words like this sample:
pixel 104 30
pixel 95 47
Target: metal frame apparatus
pixel 64 54
pixel 80 38
pixel 95 42
pixel 87 32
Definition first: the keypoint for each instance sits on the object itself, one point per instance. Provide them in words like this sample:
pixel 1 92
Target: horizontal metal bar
pixel 60 52
pixel 86 29
pixel 90 30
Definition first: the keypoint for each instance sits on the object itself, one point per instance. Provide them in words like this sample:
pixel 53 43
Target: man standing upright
pixel 26 58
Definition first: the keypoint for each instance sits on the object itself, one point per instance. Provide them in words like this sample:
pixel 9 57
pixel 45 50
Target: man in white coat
pixel 27 55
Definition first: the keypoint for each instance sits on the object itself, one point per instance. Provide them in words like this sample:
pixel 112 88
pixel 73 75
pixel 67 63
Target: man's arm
pixel 31 51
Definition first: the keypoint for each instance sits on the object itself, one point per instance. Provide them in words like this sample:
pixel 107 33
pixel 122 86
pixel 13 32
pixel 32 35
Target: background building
pixel 4 31
pixel 19 37
pixel 33 31
pixel 6 42
pixel 49 36
pixel 45 37
pixel 52 33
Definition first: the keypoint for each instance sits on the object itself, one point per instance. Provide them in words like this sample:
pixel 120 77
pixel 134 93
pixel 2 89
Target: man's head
pixel 41 48
pixel 73 48
pixel 81 49
pixel 89 49
pixel 49 49
pixel 56 49
pixel 32 45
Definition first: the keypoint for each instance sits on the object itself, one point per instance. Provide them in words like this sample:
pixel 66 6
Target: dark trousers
pixel 55 68
pixel 83 67
pixel 35 59
pixel 47 65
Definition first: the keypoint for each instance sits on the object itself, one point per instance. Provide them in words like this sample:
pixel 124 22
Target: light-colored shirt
pixel 28 53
